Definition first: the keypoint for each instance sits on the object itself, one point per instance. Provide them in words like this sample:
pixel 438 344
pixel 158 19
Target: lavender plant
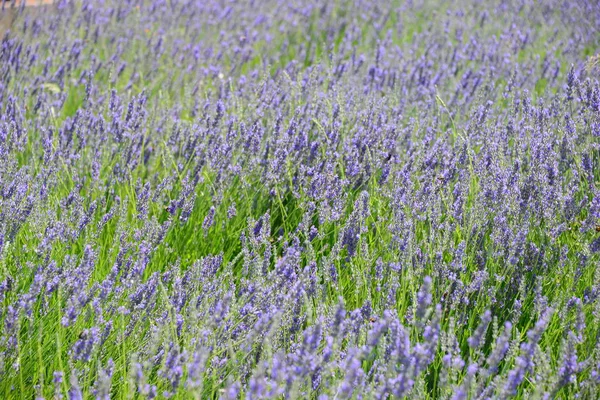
pixel 300 199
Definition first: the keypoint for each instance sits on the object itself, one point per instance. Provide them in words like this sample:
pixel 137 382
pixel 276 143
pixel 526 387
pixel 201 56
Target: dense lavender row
pixel 300 199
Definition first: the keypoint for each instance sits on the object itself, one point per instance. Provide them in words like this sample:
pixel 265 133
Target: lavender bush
pixel 300 199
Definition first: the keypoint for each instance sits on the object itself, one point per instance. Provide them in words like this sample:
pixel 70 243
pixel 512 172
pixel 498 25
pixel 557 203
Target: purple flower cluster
pixel 300 199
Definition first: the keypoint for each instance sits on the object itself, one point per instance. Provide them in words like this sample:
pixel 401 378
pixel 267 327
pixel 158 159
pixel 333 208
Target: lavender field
pixel 285 199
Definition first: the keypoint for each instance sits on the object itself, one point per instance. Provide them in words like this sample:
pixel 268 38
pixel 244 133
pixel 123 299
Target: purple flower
pixel 209 220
